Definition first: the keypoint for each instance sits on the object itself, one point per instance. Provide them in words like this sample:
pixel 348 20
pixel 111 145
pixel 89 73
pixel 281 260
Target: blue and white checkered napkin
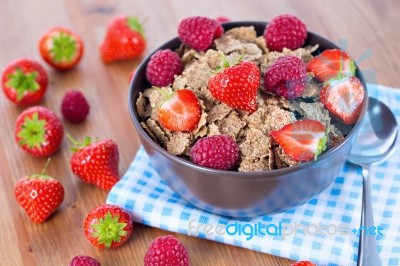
pixel 146 196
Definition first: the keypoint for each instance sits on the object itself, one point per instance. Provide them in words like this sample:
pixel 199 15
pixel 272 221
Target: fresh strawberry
pixel 303 263
pixel 344 98
pixel 61 48
pixel 24 81
pixel 166 250
pixel 331 63
pixel 124 40
pixel 302 140
pixel 39 131
pixel 108 226
pixel 82 260
pixel 39 195
pixel 237 85
pixel 96 163
pixel 180 112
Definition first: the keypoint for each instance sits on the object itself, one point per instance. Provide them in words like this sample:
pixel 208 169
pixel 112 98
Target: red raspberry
pixel 166 250
pixel 222 19
pixel 74 106
pixel 162 68
pixel 199 32
pixel 286 77
pixel 285 31
pixel 218 152
pixel 84 261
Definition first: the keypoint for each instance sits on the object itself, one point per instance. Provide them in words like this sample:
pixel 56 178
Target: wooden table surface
pixel 369 31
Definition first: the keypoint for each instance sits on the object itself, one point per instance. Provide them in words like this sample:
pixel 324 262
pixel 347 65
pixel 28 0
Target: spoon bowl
pixel 376 142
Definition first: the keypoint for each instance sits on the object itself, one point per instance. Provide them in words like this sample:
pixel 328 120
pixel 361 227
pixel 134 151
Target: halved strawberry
pixel 302 140
pixel 180 112
pixel 331 63
pixel 344 98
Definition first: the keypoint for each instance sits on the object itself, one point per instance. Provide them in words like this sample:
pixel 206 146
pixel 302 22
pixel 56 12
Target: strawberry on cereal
pixel 257 102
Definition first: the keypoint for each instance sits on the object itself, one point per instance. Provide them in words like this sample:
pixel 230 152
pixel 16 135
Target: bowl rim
pixel 236 174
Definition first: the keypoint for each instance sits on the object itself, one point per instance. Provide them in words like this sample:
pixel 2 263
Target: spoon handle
pixel 367 251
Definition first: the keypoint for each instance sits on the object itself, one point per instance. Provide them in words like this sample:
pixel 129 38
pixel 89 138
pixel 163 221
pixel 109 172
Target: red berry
pixel 218 152
pixel 39 195
pixel 199 32
pixel 162 68
pixel 302 140
pixel 168 251
pixel 330 64
pixel 237 86
pixel 222 19
pixel 96 163
pixel 61 48
pixel 74 106
pixel 285 31
pixel 286 77
pixel 181 111
pixel 124 40
pixel 303 263
pixel 39 131
pixel 344 98
pixel 24 81
pixel 108 226
pixel 82 260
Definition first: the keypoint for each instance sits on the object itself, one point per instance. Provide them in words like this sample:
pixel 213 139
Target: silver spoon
pixel 375 142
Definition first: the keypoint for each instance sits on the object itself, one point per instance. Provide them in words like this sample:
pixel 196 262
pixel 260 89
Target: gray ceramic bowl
pixel 241 194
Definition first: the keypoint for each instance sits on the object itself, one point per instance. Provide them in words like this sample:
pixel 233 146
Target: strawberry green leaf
pixel 108 230
pixel 135 25
pixel 32 131
pixel 79 145
pixel 321 146
pixel 23 82
pixel 64 47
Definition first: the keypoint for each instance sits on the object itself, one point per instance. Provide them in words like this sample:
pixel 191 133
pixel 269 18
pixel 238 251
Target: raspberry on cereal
pixel 162 68
pixel 218 152
pixel 199 32
pixel 286 77
pixel 285 31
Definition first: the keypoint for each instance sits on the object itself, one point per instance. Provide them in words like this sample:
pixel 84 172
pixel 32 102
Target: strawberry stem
pixel 45 166
pixel 79 145
pixel 108 230
pixel 64 47
pixel 225 63
pixel 32 131
pixel 23 82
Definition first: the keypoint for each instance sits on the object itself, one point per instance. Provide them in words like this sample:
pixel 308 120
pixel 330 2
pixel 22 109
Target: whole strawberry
pixel 39 131
pixel 108 226
pixel 285 31
pixel 82 260
pixel 286 77
pixel 237 86
pixel 162 68
pixel 218 152
pixel 180 111
pixel 167 251
pixel 199 32
pixel 61 48
pixel 39 195
pixel 24 81
pixel 96 163
pixel 124 40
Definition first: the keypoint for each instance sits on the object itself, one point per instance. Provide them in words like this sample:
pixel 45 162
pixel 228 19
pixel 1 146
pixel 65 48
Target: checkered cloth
pixel 150 201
